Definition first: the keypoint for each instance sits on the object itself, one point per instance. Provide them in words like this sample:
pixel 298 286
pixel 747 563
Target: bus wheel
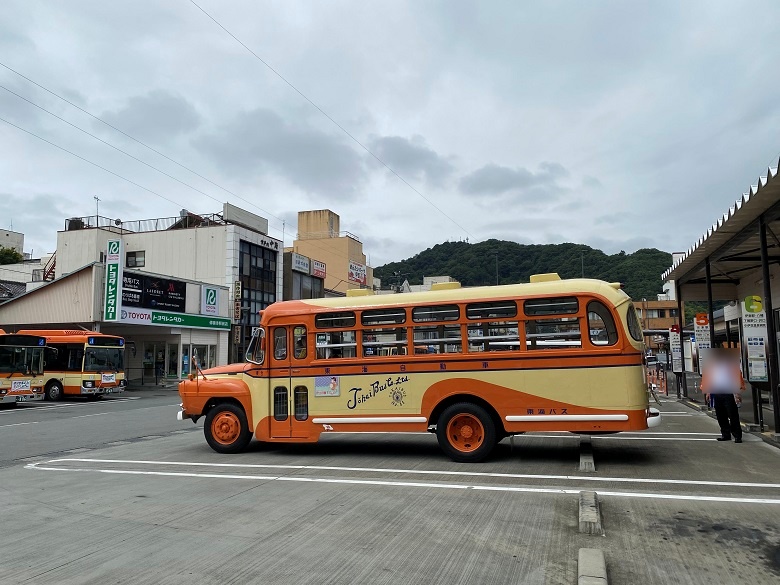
pixel 54 391
pixel 226 428
pixel 466 432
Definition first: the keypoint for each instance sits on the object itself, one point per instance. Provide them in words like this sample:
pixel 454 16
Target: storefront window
pixel 212 356
pixel 199 356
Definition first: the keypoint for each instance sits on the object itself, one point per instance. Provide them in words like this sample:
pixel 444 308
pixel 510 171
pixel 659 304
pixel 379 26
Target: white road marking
pixel 423 472
pixel 86 415
pixel 450 486
pixel 101 403
pixel 20 424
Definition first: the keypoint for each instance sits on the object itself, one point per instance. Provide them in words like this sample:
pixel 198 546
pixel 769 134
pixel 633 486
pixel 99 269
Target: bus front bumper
pixel 182 415
pixel 654 418
pixel 87 390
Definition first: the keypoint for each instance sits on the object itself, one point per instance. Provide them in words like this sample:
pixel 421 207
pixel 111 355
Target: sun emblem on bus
pixel 397 396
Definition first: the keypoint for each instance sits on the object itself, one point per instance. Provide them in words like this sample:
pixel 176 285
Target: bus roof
pixel 611 292
pixel 67 335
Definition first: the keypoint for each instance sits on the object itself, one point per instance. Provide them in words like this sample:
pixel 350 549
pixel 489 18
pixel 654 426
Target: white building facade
pixel 164 272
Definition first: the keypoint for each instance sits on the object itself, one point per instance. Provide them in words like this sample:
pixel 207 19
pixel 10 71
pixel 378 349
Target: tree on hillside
pixel 475 264
pixel 9 256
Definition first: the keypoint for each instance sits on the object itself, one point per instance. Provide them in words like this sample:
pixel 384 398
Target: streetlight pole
pixel 496 268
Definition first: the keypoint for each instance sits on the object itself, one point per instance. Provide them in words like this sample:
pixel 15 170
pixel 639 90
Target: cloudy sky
pixel 616 124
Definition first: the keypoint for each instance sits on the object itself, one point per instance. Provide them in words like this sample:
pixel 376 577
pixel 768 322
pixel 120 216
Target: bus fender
pixel 215 390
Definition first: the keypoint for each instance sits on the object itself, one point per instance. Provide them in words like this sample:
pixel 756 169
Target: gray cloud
pixel 158 116
pixel 492 180
pixel 412 158
pixel 260 141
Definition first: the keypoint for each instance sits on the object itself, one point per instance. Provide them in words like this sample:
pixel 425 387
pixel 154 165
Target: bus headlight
pixel 89 384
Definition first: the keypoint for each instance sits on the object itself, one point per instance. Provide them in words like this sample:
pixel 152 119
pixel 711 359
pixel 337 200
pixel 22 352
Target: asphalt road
pixel 144 500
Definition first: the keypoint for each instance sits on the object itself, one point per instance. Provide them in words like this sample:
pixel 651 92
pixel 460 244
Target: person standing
pixel 723 382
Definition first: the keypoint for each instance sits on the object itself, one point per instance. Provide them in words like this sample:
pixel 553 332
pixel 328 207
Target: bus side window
pixel 601 325
pixel 280 343
pixel 553 333
pixel 299 342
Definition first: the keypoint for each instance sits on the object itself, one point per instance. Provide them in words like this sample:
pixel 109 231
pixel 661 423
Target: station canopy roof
pixel 732 243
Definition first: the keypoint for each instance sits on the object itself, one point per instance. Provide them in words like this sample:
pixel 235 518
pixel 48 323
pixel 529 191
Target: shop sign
pixel 318 269
pixel 209 300
pixel 300 263
pixel 164 318
pixel 675 346
pixel 357 272
pixel 237 311
pixel 237 334
pixel 236 289
pixel 152 292
pixel 754 336
pixel 701 330
pixel 113 294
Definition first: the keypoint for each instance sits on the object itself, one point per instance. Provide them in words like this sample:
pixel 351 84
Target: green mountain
pixel 475 265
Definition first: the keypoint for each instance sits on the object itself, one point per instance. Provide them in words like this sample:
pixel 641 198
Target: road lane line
pixel 423 472
pixel 450 486
pixel 33 408
pixel 20 424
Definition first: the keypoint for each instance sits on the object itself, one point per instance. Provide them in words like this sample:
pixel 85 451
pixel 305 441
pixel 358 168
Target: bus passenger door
pixel 289 388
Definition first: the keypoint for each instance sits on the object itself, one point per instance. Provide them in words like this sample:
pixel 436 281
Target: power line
pixel 321 246
pixel 91 162
pixel 136 140
pixel 324 113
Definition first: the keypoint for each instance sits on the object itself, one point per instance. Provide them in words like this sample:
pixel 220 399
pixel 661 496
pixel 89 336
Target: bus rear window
pixel 601 325
pixel 435 313
pixel 634 327
pixel 551 306
pixel 335 320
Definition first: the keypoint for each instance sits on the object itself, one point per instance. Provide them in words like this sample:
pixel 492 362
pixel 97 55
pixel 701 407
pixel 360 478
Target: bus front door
pixel 289 386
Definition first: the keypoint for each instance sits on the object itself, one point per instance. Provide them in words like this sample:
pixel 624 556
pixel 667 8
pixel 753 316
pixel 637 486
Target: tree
pixel 475 264
pixel 9 256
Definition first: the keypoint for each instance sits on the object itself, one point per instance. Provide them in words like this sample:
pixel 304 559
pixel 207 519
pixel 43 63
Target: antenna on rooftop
pixel 97 205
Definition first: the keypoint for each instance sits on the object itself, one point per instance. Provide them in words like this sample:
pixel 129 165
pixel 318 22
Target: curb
pixel 590 514
pixel 591 567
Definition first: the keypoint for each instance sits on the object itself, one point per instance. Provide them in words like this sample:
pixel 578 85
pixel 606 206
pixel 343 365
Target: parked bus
pixel 85 363
pixel 473 365
pixel 21 367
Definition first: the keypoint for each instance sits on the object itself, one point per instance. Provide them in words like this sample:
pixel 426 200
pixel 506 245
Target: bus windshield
pixel 20 360
pixel 101 359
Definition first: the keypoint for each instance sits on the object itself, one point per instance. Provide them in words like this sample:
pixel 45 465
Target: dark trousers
pixel 727 413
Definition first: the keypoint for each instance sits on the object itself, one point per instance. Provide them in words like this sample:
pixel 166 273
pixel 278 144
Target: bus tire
pixel 54 391
pixel 466 432
pixel 226 428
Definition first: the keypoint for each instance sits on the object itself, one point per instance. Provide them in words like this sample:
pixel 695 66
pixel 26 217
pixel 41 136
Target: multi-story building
pixel 657 315
pixel 319 236
pixel 191 285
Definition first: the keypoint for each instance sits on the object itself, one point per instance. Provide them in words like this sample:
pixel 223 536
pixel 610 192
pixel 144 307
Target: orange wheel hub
pixel 225 428
pixel 465 432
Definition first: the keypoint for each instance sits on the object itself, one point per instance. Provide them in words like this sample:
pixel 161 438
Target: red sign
pixel 318 269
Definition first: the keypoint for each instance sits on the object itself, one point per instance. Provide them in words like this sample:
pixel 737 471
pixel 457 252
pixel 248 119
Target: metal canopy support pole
pixel 708 278
pixel 771 350
pixel 682 382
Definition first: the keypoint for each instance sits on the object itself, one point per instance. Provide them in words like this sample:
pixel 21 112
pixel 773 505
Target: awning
pixel 732 242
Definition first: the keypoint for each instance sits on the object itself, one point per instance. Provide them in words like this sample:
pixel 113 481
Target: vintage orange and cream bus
pixel 85 363
pixel 472 365
pixel 21 367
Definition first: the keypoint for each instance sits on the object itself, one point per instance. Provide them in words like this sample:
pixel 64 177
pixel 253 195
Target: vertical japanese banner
pixel 754 338
pixel 675 346
pixel 701 329
pixel 113 296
